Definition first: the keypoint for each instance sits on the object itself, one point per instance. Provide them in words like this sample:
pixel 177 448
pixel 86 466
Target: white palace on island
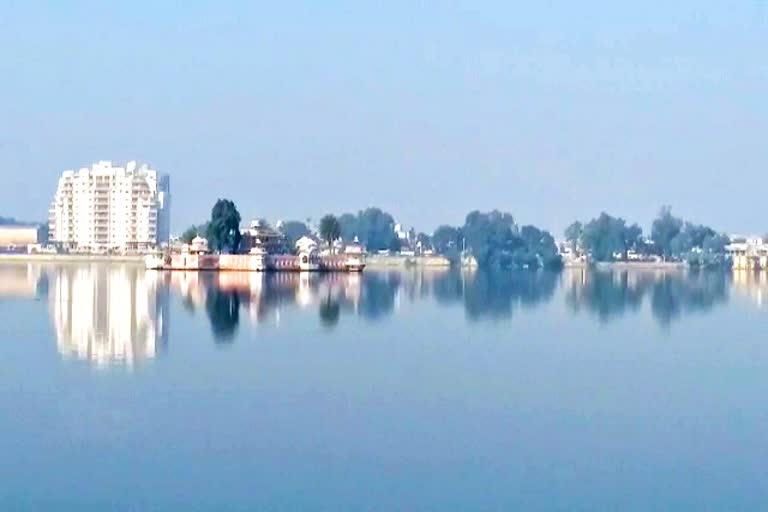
pixel 108 209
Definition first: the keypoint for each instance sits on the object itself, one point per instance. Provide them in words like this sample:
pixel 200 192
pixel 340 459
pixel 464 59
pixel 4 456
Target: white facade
pixel 106 208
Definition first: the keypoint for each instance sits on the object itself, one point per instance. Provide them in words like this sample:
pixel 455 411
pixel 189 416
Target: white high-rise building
pixel 106 208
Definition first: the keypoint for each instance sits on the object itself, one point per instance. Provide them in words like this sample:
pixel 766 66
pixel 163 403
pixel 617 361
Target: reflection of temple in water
pixel 108 313
pixel 228 297
pixel 263 296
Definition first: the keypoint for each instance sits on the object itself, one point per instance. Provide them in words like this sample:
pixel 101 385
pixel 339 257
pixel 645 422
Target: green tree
pixel 374 228
pixel 491 237
pixel 293 230
pixel 496 242
pixel 330 229
pixel 633 238
pixel 424 241
pixel 664 229
pixel 699 245
pixel 538 249
pixel 348 224
pixel 189 234
pixel 447 239
pixel 573 234
pixel 606 236
pixel 223 231
pixel 713 249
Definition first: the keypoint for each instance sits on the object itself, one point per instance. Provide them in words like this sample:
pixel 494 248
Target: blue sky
pixel 428 109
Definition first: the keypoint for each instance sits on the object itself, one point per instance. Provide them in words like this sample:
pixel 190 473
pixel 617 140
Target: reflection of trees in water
pixel 495 294
pixel 330 311
pixel 373 296
pixel 223 308
pixel 378 294
pixel 612 294
pixel 448 288
pixel 673 296
pixel 188 303
pixel 483 294
pixel 608 294
pixel 261 295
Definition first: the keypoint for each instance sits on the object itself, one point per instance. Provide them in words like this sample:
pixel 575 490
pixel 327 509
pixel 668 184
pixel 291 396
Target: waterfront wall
pixel 641 265
pixel 70 258
pixel 381 261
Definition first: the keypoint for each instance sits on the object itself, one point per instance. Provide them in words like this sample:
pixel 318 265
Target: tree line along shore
pixel 491 239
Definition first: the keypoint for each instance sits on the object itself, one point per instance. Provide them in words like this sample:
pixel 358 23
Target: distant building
pixel 407 236
pixel 16 236
pixel 305 244
pixel 571 254
pixel 747 253
pixel 199 245
pixel 260 235
pixel 107 208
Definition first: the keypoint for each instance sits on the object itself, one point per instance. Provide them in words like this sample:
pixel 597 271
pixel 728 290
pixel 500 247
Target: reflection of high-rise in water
pixel 109 313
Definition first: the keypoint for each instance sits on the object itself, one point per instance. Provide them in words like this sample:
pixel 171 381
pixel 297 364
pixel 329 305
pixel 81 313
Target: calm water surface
pixel 122 389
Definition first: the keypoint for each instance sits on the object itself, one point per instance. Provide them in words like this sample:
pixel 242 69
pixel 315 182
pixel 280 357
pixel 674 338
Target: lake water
pixel 122 389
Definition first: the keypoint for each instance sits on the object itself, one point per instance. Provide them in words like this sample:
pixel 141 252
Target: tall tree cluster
pixel 293 230
pixel 223 232
pixel 682 240
pixel 373 227
pixel 607 238
pixel 330 229
pixel 496 241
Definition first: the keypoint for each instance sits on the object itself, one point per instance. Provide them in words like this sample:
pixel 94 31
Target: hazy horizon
pixel 552 113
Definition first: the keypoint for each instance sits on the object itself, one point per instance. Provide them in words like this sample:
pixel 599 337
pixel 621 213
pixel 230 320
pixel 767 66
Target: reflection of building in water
pixel 753 284
pixel 109 314
pixel 263 297
pixel 21 280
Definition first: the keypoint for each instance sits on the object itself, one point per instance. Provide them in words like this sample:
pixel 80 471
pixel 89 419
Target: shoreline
pixel 372 262
pixel 641 265
pixel 381 261
pixel 70 258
